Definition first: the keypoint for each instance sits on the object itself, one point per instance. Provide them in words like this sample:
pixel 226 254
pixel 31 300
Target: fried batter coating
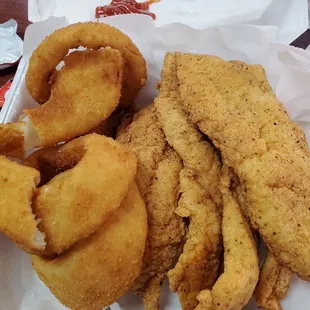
pixel 158 181
pixel 12 137
pixel 87 179
pixel 226 99
pixel 182 135
pixel 235 286
pixel 273 284
pixel 198 266
pixel 55 47
pixel 17 221
pixel 200 200
pixel 84 93
pixel 98 270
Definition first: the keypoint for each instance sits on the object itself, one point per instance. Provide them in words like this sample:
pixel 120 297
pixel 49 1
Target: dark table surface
pixel 18 9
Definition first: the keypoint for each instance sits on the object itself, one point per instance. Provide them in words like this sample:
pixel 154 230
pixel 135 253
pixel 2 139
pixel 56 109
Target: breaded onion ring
pixel 91 35
pixel 101 268
pixel 84 93
pixel 86 181
pixel 12 139
pixel 18 185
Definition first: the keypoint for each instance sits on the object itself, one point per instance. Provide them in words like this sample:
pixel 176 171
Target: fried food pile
pixel 80 96
pixel 200 199
pixel 157 178
pixel 86 236
pixel 75 206
pixel 186 190
pixel 264 183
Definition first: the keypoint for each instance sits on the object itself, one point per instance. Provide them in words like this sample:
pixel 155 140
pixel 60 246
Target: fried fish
pixel 234 105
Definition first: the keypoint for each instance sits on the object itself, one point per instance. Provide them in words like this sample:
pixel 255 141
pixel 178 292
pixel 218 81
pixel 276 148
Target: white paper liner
pixel 287 70
pixel 290 16
pixel 11 45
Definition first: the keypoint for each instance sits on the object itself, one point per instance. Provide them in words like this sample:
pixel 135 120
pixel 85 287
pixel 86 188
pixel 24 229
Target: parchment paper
pixel 288 70
pixel 290 16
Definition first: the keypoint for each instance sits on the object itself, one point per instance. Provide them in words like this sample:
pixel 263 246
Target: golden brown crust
pixel 84 93
pixel 185 138
pixel 235 286
pixel 225 99
pixel 98 270
pixel 81 192
pixel 17 221
pixel 12 140
pixel 198 266
pixel 151 292
pixel 274 282
pixel 158 181
pixel 200 199
pixel 54 48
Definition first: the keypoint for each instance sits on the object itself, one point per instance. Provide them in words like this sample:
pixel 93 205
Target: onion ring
pixel 55 47
pixel 87 179
pixel 17 221
pixel 84 93
pixel 98 270
pixel 12 139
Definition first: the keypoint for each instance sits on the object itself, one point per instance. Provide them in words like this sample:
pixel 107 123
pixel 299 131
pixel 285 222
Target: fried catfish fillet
pixel 235 286
pixel 200 200
pixel 273 284
pixel 233 104
pixel 157 177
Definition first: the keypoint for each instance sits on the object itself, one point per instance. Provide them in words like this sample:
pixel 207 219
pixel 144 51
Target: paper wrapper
pixel 289 16
pixel 11 45
pixel 288 70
